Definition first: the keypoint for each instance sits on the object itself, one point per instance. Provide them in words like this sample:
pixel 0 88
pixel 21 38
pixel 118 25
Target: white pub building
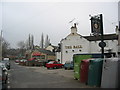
pixel 74 43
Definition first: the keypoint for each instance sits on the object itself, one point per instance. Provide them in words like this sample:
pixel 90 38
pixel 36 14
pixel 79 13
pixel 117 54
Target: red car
pixel 54 64
pixel 17 61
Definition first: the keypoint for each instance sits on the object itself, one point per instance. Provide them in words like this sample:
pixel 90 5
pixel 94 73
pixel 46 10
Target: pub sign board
pixel 95 25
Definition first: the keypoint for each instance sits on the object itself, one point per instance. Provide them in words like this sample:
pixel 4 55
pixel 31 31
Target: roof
pixel 53 46
pixel 36 54
pixel 106 37
pixel 31 59
pixel 46 52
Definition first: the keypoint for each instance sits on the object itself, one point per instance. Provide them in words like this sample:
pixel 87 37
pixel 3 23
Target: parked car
pixel 54 64
pixel 7 63
pixel 68 65
pixel 4 73
pixel 0 78
pixel 17 61
pixel 22 62
pixel 47 61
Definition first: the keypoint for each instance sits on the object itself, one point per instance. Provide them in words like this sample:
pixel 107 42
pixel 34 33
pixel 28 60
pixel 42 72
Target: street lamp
pixel 1 45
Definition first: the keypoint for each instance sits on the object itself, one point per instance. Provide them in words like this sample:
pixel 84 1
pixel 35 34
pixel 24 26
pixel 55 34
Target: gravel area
pixel 60 72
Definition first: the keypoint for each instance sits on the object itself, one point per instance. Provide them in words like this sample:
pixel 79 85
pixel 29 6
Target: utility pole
pixel 1 45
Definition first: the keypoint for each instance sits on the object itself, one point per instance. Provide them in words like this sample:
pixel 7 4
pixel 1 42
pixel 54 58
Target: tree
pixel 21 46
pixel 47 41
pixel 29 44
pixel 5 47
pixel 42 41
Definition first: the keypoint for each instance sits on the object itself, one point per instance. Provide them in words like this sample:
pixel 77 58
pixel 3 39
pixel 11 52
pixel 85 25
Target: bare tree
pixel 21 46
pixel 5 47
pixel 42 41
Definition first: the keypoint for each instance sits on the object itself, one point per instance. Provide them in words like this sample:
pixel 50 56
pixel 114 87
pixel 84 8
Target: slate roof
pixel 106 37
pixel 46 52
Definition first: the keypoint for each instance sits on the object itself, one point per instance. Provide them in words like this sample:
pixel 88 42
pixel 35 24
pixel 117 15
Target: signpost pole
pixel 97 29
pixel 102 39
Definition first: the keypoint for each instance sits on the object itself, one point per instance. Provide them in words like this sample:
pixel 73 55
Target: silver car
pixel 0 78
pixel 4 73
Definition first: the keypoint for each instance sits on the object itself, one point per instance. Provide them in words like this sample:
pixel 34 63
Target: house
pixel 51 48
pixel 40 54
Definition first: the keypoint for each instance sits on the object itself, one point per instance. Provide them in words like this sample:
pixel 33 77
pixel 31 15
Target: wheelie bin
pixel 84 70
pixel 77 62
pixel 110 73
pixel 95 72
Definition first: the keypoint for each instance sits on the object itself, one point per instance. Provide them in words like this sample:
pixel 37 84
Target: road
pixel 40 77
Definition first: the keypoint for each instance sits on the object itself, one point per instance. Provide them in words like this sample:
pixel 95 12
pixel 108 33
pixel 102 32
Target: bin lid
pixel 96 60
pixel 111 59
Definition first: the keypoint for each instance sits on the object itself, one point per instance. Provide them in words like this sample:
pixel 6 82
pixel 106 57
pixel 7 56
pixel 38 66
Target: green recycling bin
pixel 77 61
pixel 95 72
pixel 77 58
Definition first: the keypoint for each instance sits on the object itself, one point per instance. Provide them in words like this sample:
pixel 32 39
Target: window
pixel 80 50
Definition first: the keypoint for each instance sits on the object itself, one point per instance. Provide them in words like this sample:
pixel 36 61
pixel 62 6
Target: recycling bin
pixel 118 72
pixel 95 72
pixel 110 73
pixel 84 71
pixel 77 62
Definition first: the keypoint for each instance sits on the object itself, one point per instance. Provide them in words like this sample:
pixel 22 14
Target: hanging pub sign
pixel 95 25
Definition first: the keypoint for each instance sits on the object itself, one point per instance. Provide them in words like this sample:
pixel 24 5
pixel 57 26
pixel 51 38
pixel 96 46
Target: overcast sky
pixel 19 19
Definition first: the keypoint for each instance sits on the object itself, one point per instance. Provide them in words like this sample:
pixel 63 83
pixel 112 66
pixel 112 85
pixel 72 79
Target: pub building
pixel 75 43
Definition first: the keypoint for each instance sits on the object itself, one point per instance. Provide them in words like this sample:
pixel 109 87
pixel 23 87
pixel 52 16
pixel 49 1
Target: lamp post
pixel 1 45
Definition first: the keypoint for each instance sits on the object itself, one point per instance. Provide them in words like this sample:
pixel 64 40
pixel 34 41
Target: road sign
pixel 102 44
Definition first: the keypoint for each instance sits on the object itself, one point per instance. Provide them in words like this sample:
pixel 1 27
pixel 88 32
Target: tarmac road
pixel 40 77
